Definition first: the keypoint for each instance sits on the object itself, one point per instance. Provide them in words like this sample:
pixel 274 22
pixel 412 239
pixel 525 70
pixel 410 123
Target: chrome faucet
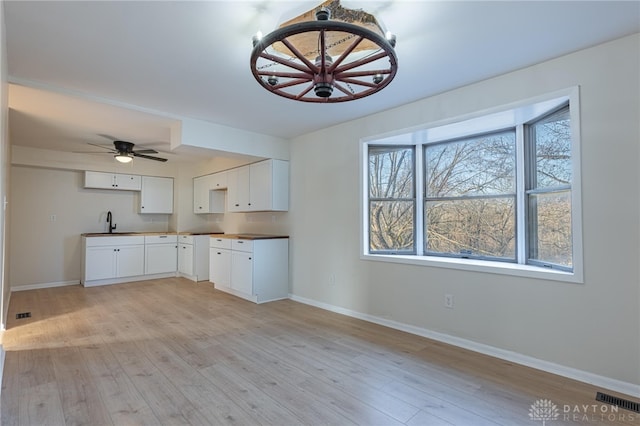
pixel 110 219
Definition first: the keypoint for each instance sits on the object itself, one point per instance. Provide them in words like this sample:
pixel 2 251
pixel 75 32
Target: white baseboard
pixel 550 367
pixel 44 285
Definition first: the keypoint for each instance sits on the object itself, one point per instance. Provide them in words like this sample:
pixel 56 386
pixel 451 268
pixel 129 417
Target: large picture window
pixel 494 190
pixel 470 197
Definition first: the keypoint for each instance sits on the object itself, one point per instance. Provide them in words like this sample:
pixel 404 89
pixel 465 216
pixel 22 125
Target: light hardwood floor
pixel 174 352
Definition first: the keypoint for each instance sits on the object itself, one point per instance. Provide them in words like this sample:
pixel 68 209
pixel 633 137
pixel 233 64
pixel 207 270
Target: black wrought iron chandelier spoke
pixel 307 60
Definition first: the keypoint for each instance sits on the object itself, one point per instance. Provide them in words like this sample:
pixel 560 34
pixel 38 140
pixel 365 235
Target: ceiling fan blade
pixel 146 151
pixel 111 138
pixel 111 150
pixel 148 157
pixel 92 152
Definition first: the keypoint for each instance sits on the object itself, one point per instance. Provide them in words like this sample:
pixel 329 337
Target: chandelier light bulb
pixel 391 38
pixel 256 38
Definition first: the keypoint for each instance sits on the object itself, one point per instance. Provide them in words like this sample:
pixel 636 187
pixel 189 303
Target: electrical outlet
pixel 52 218
pixel 448 301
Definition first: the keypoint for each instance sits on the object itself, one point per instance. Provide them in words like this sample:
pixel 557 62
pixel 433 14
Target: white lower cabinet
pixel 160 254
pixel 220 268
pixel 256 269
pixel 185 259
pixel 242 272
pixel 193 257
pixel 110 259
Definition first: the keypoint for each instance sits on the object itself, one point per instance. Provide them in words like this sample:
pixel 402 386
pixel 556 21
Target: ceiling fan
pixel 124 152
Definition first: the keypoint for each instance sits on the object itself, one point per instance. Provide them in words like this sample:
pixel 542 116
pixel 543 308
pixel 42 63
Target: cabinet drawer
pixel 217 242
pixel 186 239
pixel 114 241
pixel 242 245
pixel 160 239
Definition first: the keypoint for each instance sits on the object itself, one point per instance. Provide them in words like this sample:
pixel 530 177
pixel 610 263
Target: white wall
pixel 592 327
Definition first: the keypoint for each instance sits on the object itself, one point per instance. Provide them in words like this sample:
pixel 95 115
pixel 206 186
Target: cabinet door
pixel 260 186
pixel 238 189
pixel 219 180
pixel 185 259
pixel 98 180
pixel 220 267
pixel 156 195
pixel 200 195
pixel 242 272
pixel 161 258
pixel 100 263
pixel 130 260
pixel 128 182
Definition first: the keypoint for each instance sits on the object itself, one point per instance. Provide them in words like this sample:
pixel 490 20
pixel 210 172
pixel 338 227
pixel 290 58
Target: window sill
pixel 512 269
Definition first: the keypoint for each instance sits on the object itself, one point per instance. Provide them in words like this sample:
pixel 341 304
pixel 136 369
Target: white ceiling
pixel 171 59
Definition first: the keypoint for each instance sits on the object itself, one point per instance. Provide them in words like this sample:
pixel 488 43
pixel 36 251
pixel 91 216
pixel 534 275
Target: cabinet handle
pixel 219 253
pixel 161 236
pixel 249 258
pixel 240 242
pixel 237 205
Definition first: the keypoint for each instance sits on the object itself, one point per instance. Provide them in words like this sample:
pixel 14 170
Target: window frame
pixel 412 199
pixel 514 195
pixel 490 120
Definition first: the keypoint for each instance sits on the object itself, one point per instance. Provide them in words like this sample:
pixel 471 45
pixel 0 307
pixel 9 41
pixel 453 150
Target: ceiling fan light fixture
pixel 328 54
pixel 124 158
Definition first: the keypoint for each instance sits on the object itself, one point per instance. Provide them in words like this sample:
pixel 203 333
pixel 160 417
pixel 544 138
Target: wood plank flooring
pixel 172 352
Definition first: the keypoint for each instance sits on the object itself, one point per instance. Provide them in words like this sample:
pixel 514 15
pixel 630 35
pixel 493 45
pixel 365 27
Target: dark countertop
pixel 250 236
pixel 200 233
pixel 124 234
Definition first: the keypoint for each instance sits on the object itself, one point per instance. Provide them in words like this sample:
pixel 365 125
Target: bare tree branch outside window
pixel 549 195
pixel 470 197
pixel 391 199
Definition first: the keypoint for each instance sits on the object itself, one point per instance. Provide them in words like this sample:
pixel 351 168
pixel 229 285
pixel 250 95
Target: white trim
pixel 44 285
pixel 109 281
pixel 476 265
pixel 528 361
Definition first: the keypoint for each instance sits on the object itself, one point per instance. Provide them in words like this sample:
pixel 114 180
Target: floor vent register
pixel 622 403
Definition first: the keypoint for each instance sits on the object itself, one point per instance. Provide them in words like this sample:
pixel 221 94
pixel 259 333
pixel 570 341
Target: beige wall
pixel 592 327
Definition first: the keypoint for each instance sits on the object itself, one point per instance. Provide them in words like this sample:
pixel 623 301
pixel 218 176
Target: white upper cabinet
pixel 209 194
pixel 219 180
pixel 120 181
pixel 156 195
pixel 238 190
pixel 262 186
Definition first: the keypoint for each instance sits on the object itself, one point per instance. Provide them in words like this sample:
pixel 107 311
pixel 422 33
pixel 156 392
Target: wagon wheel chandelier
pixel 340 56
